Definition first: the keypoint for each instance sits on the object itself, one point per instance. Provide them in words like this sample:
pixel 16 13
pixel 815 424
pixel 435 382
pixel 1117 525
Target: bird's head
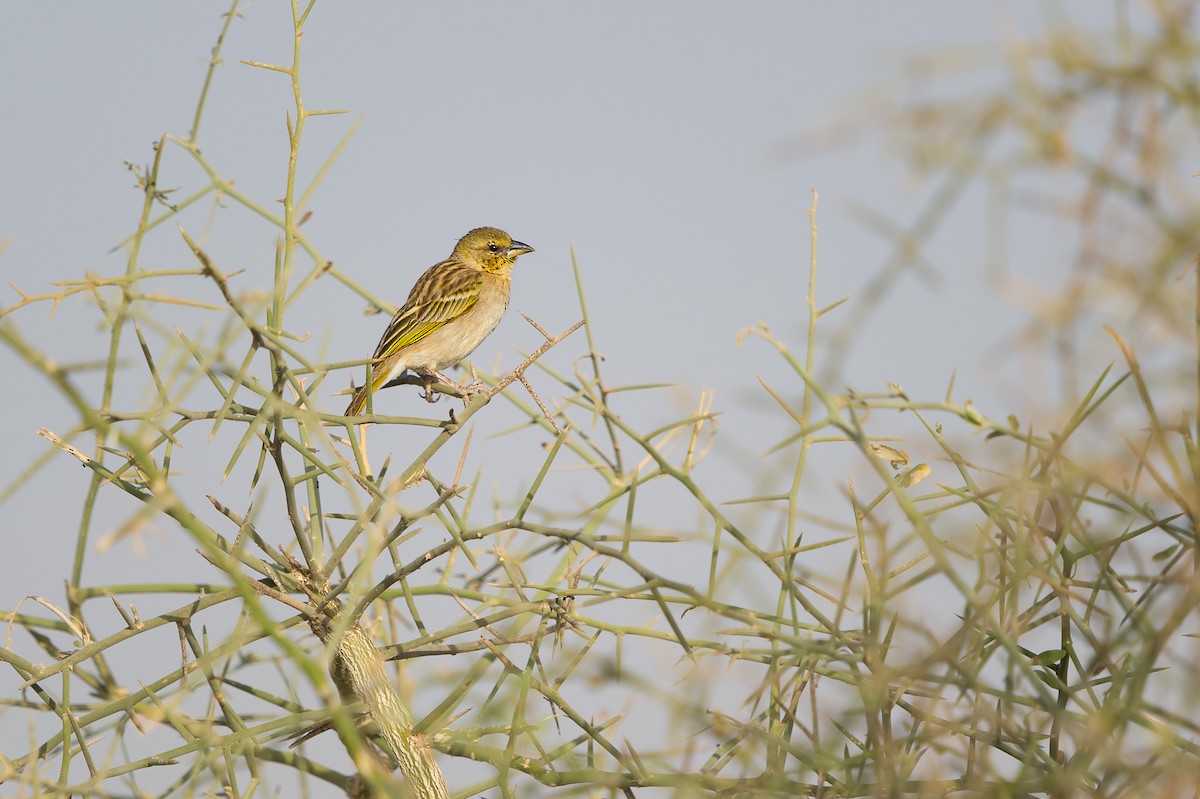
pixel 490 249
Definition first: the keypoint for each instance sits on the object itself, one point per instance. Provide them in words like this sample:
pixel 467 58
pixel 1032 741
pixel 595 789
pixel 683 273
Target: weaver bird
pixel 452 308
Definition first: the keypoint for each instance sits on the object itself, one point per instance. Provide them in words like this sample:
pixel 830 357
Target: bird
pixel 451 309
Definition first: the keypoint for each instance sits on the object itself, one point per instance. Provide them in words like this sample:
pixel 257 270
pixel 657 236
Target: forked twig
pixel 519 372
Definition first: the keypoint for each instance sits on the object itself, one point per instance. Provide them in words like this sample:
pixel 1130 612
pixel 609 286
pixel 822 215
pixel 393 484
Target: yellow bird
pixel 452 308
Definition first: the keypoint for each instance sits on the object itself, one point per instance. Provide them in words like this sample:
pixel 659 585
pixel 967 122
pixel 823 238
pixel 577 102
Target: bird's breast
pixel 458 339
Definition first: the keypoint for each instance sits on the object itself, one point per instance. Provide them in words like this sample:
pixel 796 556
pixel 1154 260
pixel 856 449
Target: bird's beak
pixel 518 248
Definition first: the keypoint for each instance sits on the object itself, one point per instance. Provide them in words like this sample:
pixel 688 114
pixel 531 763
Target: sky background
pixel 674 145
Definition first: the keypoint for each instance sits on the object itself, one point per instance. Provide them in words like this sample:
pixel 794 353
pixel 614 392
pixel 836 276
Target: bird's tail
pixel 359 403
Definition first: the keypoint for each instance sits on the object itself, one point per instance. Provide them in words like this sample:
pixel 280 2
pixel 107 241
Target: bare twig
pixel 519 372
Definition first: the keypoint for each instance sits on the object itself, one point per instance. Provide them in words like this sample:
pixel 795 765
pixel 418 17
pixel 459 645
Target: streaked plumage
pixel 452 308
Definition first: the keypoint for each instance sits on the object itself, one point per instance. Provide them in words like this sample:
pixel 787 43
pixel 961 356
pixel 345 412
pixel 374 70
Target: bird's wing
pixel 444 293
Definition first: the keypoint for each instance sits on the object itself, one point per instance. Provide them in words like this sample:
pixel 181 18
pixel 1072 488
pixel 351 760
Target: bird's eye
pixel 494 247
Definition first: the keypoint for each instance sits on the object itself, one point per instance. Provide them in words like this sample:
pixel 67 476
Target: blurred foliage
pixel 1021 623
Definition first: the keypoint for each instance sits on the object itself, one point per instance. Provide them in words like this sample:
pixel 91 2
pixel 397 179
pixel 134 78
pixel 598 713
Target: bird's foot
pixel 476 386
pixel 428 381
pixel 471 389
pixel 434 376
